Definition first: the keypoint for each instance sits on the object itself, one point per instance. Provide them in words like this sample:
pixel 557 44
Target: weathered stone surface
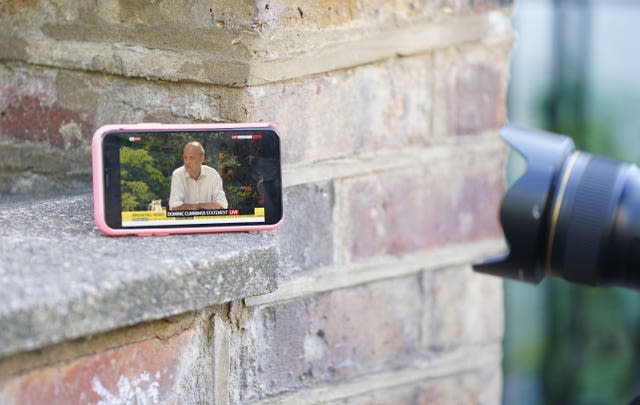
pixel 366 116
pixel 62 109
pixel 231 43
pixel 62 279
pixel 47 119
pixel 28 169
pixel 30 110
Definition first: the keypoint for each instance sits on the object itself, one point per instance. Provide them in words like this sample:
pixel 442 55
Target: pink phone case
pixel 98 185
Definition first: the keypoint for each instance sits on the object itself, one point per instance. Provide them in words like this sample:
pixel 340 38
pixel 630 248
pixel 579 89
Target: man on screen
pixel 195 186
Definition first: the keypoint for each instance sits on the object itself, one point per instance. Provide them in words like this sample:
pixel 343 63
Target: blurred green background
pixel 575 71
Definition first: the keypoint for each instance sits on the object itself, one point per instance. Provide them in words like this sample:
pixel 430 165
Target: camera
pixel 571 214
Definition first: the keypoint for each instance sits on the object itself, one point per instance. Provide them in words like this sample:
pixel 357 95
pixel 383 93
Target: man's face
pixel 193 159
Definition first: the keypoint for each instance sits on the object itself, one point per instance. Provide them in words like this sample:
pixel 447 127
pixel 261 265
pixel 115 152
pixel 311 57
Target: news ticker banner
pixel 199 217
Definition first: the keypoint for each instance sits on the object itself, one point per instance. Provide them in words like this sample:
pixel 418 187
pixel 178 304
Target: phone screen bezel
pixel 110 149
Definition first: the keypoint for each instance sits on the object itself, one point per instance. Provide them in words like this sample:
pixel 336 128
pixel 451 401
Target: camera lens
pixel 571 214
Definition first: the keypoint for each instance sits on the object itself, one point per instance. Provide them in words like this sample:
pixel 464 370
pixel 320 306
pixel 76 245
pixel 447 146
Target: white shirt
pixel 186 190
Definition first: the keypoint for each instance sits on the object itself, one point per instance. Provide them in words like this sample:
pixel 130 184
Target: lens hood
pixel 571 214
pixel 526 204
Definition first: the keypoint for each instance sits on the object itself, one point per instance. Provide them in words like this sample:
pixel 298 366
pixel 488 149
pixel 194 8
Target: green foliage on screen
pixel 141 181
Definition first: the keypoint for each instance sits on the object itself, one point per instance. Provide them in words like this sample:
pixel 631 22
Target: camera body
pixel 571 214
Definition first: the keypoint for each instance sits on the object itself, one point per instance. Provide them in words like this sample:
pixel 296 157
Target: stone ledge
pixel 62 279
pixel 249 57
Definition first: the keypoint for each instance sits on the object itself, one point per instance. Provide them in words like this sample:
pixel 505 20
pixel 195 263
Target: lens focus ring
pixel 589 219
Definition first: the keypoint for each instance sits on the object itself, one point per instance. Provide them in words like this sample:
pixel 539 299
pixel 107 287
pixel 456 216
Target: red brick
pixel 461 210
pixel 476 99
pixel 404 212
pixel 366 327
pixel 330 337
pixel 405 395
pixel 365 212
pixel 468 388
pixel 470 88
pixel 371 108
pixel 401 212
pixel 147 371
pixel 462 307
pixel 485 5
pixel 478 387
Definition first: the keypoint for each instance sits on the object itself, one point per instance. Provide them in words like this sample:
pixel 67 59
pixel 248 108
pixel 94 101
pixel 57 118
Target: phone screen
pixel 169 179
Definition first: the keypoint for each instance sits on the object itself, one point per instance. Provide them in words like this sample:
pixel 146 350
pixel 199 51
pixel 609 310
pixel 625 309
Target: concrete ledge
pixel 61 279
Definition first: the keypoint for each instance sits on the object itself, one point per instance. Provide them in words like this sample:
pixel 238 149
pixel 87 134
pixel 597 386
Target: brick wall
pixel 388 112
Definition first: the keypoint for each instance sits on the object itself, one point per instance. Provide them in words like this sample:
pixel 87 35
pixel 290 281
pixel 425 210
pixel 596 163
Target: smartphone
pixel 160 179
